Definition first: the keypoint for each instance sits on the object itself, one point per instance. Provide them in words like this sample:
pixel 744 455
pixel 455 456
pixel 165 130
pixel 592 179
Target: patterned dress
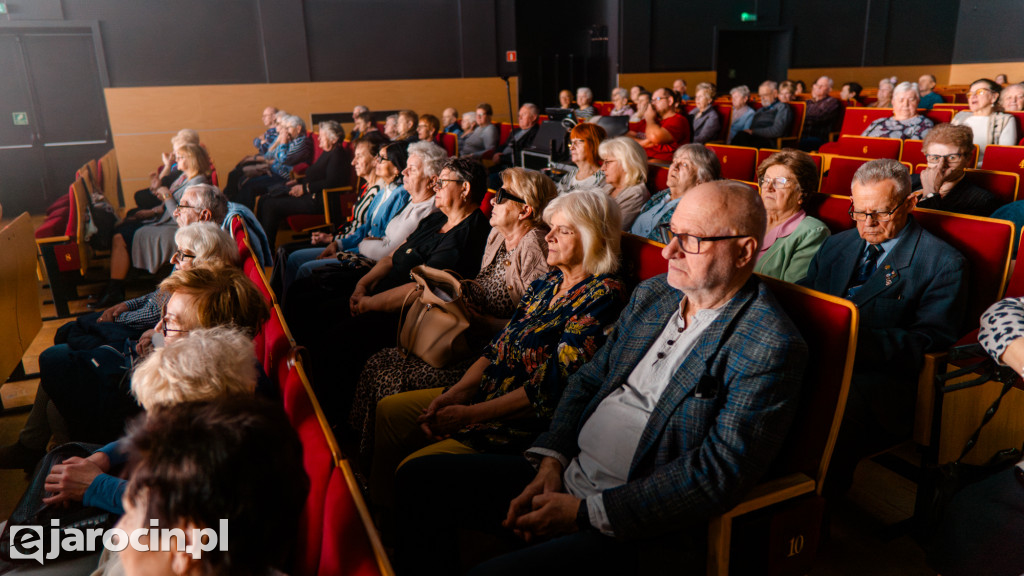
pixel 913 128
pixel 545 342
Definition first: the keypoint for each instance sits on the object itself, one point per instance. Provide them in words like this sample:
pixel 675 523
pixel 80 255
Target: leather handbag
pixel 434 327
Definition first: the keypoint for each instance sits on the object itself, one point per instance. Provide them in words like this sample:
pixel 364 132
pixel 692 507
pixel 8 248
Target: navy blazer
pixel 912 304
pixel 696 456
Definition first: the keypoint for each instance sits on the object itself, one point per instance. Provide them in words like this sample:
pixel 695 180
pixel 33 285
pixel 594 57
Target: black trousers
pixel 273 210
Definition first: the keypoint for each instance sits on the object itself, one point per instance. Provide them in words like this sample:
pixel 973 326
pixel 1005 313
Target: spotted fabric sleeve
pixel 1001 324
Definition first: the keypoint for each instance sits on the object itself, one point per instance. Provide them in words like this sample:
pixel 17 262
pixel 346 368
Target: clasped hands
pixel 543 510
pixel 69 480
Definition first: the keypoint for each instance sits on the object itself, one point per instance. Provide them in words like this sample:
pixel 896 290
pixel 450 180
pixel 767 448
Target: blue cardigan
pixel 377 220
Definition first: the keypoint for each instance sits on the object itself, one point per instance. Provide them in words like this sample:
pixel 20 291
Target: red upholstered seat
pixel 832 210
pixel 485 204
pixel 764 153
pixel 839 176
pixel 725 118
pixel 304 221
pixel 278 344
pixel 938 115
pixel 657 176
pixel 912 153
pixel 738 162
pixel 1015 286
pixel 55 224
pixel 450 142
pixel 348 544
pixel 1003 185
pixel 857 119
pixel 642 258
pixel 604 108
pixel 864 147
pixel 1005 159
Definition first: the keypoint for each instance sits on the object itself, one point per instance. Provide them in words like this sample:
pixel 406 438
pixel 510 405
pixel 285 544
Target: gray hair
pixel 885 169
pixel 831 83
pixel 584 90
pixel 187 136
pixel 709 167
pixel 532 108
pixel 906 87
pixel 469 116
pixel 742 89
pixel 211 245
pixel 772 84
pixel 209 197
pixel 293 120
pixel 333 128
pixel 884 81
pixel 706 86
pixel 433 157
pixel 360 109
pixel 281 115
pixel 620 91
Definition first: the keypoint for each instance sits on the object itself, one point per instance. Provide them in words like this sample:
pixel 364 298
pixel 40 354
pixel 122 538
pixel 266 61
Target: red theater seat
pixel 738 162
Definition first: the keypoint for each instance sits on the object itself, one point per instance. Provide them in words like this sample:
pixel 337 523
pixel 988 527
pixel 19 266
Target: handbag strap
pixel 973 439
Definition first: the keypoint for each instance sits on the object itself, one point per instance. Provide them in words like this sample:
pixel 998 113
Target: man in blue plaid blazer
pixel 675 418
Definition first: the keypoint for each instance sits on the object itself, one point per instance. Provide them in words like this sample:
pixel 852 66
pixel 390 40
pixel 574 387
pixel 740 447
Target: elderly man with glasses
pixel 942 185
pixel 771 121
pixel 910 289
pixel 677 415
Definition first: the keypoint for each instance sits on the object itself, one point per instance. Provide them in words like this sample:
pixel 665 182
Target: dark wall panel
pixel 385 39
pixel 283 29
pixel 921 32
pixel 177 43
pixel 989 31
pixel 827 33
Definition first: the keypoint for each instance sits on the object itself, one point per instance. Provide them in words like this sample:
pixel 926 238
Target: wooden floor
pixel 857 542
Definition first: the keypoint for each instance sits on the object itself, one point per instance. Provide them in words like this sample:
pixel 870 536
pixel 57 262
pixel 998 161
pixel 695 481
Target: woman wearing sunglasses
pixel 515 256
pixel 986 118
pixel 507 396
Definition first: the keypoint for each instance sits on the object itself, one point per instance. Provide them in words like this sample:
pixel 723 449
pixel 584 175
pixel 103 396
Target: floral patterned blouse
pixel 543 344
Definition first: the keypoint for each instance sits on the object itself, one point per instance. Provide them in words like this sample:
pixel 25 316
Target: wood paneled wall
pixel 654 80
pixel 143 120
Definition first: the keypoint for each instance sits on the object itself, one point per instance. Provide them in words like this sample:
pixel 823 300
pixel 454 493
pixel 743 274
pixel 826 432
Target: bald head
pixel 734 207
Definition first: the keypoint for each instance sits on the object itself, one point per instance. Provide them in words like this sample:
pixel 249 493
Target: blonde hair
pixel 198 160
pixel 598 220
pixel 220 296
pixel 630 154
pixel 209 363
pixel 534 187
pixel 210 244
pixel 185 136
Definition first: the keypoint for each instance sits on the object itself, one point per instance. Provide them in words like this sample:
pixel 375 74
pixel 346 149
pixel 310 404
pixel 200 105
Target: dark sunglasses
pixel 503 195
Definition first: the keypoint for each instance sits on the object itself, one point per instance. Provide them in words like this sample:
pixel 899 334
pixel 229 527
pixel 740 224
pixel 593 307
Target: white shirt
pixel 398 229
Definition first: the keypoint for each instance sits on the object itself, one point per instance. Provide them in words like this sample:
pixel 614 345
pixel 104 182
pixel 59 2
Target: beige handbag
pixel 434 327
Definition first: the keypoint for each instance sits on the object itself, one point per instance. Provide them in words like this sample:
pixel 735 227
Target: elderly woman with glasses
pixel 516 255
pixel 584 141
pixel 792 239
pixel 507 397
pixel 905 123
pixel 625 169
pixel 692 164
pixel 346 322
pixel 942 185
pixel 706 122
pixel 986 119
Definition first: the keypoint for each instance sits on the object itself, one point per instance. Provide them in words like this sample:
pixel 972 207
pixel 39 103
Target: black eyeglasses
pixel 689 243
pixel 440 182
pixel 504 195
pixel 181 255
pixel 951 158
pixel 183 206
pixel 879 216
pixel 163 324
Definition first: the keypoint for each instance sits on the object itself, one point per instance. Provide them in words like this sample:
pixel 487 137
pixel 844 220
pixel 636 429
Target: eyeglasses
pixel 951 158
pixel 378 159
pixel 689 243
pixel 504 195
pixel 440 182
pixel 180 255
pixel 576 142
pixel 163 324
pixel 978 91
pixel 777 183
pixel 657 98
pixel 184 206
pixel 878 216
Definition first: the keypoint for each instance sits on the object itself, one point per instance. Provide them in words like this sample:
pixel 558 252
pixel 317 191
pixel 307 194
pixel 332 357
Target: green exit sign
pixel 3 7
pixel 20 118
pixel 748 17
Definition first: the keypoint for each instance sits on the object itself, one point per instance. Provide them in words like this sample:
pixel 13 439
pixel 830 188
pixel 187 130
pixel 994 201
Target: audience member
pixel 643 102
pixel 665 128
pixel 359 315
pixel 786 90
pixel 391 127
pixel 851 93
pixel 468 124
pixel 770 122
pixel 138 238
pixel 742 115
pixel 263 143
pixel 450 119
pixel 799 87
pixel 926 86
pixel 884 96
pixel 236 458
pixel 942 185
pixel 787 179
pixel 1001 79
pixel 332 170
pixel 1012 98
pixel 905 123
pixel 406 126
pixel 585 104
pixel 484 138
pixel 502 403
pixel 820 116
pixel 623 482
pixel 620 98
pixel 251 179
pixel 584 141
pixel 692 165
pixel 428 128
pixel 679 86
pixel 364 125
pixel 520 139
pixel 169 170
pixel 625 169
pixel 986 119
pixel 704 119
pixel 565 100
pixel 634 92
pixel 910 288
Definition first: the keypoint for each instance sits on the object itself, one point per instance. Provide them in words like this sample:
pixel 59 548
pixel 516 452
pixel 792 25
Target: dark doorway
pixel 751 56
pixel 53 116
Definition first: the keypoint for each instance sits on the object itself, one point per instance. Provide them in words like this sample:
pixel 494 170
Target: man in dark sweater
pixel 770 122
pixel 942 186
pixel 822 112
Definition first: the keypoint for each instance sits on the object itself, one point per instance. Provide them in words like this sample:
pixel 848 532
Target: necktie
pixel 865 270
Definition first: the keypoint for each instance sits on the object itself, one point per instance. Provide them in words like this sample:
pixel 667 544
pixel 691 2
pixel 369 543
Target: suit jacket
pixel 696 456
pixel 912 304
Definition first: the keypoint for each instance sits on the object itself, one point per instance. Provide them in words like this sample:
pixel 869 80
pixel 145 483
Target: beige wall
pixel 654 80
pixel 228 116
